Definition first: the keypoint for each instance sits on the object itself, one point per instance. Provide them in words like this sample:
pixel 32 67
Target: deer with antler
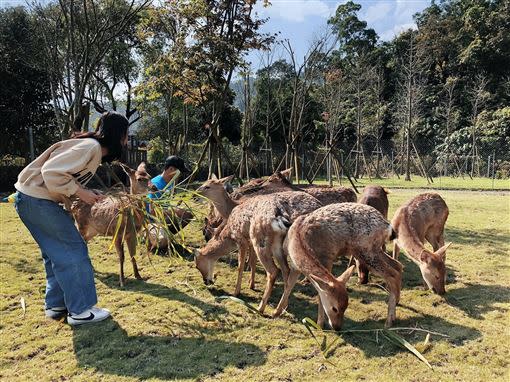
pixel 101 218
pixel 423 218
pixel 316 240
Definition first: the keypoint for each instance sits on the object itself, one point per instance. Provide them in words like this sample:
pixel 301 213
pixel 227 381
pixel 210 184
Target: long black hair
pixel 111 129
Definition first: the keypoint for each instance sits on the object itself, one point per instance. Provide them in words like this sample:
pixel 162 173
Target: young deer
pixel 423 217
pixel 377 197
pixel 246 226
pixel 316 240
pixel 101 218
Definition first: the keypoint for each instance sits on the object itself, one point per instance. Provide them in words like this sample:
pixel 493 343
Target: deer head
pixel 138 179
pixel 214 188
pixel 333 295
pixel 433 268
pixel 205 266
pixel 279 177
pixel 206 257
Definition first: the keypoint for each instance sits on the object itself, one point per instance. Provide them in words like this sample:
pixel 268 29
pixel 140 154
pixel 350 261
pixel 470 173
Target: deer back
pixel 418 216
pixel 377 197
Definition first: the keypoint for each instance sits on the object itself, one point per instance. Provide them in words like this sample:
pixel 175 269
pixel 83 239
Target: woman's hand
pixel 88 196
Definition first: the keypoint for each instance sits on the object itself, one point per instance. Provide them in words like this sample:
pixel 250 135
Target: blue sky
pixel 300 20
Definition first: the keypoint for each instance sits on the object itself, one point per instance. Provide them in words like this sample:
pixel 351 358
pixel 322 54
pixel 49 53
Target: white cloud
pixel 297 10
pixel 405 10
pixel 376 12
pixel 396 30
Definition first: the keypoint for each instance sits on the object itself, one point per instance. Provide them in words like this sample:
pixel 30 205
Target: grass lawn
pixel 441 183
pixel 170 327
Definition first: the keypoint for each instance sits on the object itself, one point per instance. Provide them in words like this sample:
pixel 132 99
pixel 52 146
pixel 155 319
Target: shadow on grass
pixel 25 266
pixel 157 290
pixel 478 299
pixel 492 237
pixel 378 346
pixel 108 348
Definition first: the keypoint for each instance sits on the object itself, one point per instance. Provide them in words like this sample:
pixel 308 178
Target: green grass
pixel 170 327
pixel 441 183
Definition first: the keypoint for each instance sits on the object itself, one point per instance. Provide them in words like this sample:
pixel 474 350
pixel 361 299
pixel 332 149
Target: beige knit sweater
pixel 58 172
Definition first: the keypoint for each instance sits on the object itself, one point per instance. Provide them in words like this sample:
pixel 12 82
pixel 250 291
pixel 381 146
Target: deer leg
pixel 287 289
pixel 321 315
pixel 277 250
pixel 240 267
pixel 131 244
pixel 252 261
pixel 362 272
pixel 265 257
pixel 120 252
pixel 391 270
pixel 396 250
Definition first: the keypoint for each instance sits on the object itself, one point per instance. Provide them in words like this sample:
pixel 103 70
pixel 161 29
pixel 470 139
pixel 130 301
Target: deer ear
pixel 214 177
pixel 344 277
pixel 226 179
pixel 128 170
pixel 196 252
pixel 425 257
pixel 286 173
pixel 442 251
pixel 319 283
pixel 142 167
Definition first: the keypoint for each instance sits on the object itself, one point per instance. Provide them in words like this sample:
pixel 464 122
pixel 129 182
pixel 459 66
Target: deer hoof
pixel 277 313
pixel 363 280
pixel 389 322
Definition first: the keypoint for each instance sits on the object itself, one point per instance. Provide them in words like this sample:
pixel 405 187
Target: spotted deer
pixel 316 240
pixel 222 205
pixel 101 218
pixel 377 197
pixel 423 217
pixel 279 182
pixel 260 223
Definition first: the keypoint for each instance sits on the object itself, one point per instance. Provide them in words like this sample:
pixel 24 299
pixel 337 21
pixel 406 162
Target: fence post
pixel 493 167
pixel 488 166
pixel 31 143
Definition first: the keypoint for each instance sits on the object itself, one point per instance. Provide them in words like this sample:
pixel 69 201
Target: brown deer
pixel 316 240
pixel 377 197
pixel 254 223
pixel 279 182
pixel 101 218
pixel 423 217
pixel 221 206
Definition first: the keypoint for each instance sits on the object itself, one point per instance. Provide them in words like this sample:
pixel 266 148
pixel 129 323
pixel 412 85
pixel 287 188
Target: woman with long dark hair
pixel 56 175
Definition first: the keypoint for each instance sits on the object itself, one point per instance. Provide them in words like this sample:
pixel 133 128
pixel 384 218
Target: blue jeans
pixel 69 272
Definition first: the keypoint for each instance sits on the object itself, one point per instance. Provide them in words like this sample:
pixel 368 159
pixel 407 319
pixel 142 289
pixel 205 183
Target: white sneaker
pixel 90 315
pixel 56 313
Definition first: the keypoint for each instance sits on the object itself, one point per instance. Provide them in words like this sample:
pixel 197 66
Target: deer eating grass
pixel 101 218
pixel 423 217
pixel 316 240
pixel 257 223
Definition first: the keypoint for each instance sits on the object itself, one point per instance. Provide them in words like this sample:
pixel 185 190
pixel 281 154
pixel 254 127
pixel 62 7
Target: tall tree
pixel 199 69
pixel 25 94
pixel 77 36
